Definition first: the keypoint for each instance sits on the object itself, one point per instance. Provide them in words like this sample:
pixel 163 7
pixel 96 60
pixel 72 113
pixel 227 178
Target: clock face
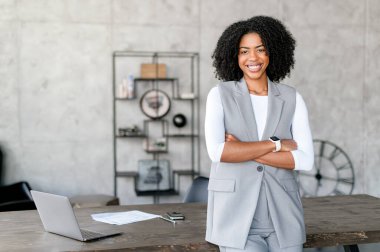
pixel 155 104
pixel 332 173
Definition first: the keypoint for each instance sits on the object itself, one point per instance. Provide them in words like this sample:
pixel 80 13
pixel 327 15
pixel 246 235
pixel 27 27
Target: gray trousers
pixel 262 236
pixel 262 243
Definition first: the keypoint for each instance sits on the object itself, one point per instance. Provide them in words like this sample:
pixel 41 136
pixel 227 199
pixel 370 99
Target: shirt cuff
pixel 296 159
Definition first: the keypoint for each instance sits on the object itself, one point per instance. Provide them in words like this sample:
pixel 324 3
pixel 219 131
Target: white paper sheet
pixel 121 218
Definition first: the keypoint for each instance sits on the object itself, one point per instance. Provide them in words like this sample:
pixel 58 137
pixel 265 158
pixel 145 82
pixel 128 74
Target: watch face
pixel 274 138
pixel 155 104
pixel 332 173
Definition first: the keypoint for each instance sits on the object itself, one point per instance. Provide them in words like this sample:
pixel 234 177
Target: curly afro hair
pixel 277 40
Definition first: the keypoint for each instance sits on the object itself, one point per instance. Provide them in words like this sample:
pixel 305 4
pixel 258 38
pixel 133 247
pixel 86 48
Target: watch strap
pixel 278 146
pixel 277 143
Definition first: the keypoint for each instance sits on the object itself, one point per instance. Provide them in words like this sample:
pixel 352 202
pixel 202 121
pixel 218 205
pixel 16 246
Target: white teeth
pixel 254 67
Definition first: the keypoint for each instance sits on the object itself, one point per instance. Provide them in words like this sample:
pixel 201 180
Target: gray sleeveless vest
pixel 235 188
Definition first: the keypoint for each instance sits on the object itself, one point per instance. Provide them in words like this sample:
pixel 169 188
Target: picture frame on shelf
pixel 156 145
pixel 156 140
pixel 153 175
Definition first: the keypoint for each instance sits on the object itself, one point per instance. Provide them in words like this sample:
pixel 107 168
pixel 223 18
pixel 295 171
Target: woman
pixel 257 132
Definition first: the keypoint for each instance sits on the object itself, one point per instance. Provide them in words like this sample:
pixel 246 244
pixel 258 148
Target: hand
pixel 231 138
pixel 288 145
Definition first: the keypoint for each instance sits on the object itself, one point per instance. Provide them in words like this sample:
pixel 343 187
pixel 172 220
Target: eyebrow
pixel 245 47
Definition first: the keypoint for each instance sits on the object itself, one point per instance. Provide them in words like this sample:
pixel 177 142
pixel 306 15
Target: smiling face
pixel 253 57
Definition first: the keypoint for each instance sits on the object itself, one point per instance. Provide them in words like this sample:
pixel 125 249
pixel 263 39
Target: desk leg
pixel 351 248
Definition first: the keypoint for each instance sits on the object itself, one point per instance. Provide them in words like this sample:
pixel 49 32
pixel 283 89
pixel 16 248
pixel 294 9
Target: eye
pixel 243 51
pixel 261 50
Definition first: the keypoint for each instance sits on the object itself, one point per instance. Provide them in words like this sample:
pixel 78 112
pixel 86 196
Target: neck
pixel 258 87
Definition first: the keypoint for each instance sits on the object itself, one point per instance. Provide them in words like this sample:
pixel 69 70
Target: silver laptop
pixel 58 217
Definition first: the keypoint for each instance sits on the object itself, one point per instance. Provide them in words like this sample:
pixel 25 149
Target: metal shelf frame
pixel 193 135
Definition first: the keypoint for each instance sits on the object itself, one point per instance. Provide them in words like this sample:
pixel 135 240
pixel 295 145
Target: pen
pixel 172 221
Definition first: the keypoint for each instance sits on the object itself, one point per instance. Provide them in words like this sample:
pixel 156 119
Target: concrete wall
pixel 55 78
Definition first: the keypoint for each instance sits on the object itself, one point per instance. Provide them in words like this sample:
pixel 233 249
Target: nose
pixel 252 55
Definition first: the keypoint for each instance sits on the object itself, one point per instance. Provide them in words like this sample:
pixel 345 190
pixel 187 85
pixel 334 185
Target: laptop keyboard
pixel 87 234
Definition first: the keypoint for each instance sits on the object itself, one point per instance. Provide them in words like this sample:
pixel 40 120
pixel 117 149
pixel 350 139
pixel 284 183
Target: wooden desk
pixel 330 221
pixel 342 220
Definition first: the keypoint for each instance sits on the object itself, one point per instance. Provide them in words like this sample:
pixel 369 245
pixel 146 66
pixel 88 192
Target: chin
pixel 255 76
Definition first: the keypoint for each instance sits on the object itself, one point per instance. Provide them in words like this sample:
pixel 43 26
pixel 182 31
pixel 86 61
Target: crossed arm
pixel 235 151
pixel 297 154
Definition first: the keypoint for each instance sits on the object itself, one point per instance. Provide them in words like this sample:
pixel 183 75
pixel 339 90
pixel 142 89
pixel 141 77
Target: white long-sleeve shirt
pixel 215 131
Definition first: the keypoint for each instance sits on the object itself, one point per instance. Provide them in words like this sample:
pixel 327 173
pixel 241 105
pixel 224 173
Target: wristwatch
pixel 277 142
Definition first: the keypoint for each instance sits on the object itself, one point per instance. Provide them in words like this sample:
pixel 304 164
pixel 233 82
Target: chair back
pixel 1 166
pixel 198 191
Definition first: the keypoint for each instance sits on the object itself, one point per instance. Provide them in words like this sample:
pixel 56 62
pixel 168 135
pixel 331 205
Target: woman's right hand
pixel 230 138
pixel 288 145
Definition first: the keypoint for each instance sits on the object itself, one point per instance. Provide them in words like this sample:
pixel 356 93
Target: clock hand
pixel 328 178
pixel 306 174
pixel 317 188
pixel 344 180
pixel 321 151
pixel 318 167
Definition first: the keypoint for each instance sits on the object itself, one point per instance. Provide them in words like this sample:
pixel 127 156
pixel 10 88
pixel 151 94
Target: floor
pixel 372 247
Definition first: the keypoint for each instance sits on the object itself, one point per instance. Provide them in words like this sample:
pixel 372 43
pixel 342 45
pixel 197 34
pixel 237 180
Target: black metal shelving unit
pixel 192 84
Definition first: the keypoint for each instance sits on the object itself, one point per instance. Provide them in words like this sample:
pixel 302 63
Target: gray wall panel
pixel 56 77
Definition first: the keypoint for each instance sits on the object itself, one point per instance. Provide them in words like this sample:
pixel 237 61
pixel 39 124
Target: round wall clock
pixel 332 174
pixel 155 103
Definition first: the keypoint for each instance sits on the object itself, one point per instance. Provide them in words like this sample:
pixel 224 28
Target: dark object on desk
pixel 14 197
pixel 175 216
pixel 198 191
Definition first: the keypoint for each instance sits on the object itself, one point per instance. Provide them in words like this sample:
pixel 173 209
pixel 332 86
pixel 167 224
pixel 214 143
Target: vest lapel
pixel 243 101
pixel 275 104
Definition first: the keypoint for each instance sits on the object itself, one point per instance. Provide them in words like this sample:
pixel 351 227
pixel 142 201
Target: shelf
pixel 156 151
pixel 185 172
pixel 124 99
pixel 126 174
pixel 173 98
pixel 134 174
pixel 181 135
pixel 151 54
pixel 185 99
pixel 132 136
pixel 159 193
pixel 156 79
